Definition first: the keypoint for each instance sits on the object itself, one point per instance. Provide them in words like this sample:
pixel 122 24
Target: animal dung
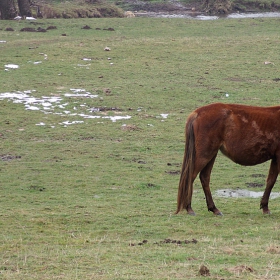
pixel 204 271
pixel 86 27
pixel 28 29
pixel 167 241
pixel 51 27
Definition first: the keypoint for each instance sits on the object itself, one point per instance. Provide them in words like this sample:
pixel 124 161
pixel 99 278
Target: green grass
pixel 74 199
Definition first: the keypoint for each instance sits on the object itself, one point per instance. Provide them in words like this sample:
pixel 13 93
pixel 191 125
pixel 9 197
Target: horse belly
pixel 248 152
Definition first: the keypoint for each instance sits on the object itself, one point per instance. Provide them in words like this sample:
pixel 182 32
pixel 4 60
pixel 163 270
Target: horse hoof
pixel 266 212
pixel 219 214
pixel 191 213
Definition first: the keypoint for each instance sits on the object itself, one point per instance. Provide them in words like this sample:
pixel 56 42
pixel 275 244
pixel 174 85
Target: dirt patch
pixel 139 244
pixel 143 162
pixel 31 29
pixel 150 185
pixel 40 29
pixel 129 127
pixel 51 27
pixel 254 185
pixel 173 172
pixel 36 188
pixel 258 176
pixel 105 109
pixel 28 29
pixel 9 157
pixel 173 164
pixel 273 249
pixel 178 242
pixel 86 27
pixel 109 29
pixel 166 241
pixel 240 269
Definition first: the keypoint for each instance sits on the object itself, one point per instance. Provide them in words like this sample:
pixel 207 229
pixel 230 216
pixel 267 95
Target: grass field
pixel 92 143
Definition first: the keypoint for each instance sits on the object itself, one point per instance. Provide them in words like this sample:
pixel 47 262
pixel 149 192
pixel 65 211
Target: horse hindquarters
pixel 199 157
pixel 204 136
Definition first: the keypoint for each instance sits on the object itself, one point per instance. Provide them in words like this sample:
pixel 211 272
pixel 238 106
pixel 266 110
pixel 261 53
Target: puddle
pixel 196 16
pixel 254 15
pixel 243 194
pixel 58 105
pixel 203 17
pixel 176 15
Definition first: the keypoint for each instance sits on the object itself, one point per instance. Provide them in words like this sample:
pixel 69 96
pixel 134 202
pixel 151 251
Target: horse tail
pixel 186 180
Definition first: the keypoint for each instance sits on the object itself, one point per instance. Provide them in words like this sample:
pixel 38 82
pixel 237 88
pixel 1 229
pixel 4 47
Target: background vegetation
pixel 9 9
pixel 96 199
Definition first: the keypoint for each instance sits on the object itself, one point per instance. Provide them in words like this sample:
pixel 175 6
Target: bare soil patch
pixel 9 157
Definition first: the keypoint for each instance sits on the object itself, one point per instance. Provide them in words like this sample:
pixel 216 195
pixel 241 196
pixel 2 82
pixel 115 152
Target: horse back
pixel 246 134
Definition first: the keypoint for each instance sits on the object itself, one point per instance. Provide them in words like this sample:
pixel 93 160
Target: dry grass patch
pixel 239 269
pixel 273 249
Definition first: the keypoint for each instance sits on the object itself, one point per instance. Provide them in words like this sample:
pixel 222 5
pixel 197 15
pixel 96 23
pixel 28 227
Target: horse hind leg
pixel 189 209
pixel 205 181
pixel 270 181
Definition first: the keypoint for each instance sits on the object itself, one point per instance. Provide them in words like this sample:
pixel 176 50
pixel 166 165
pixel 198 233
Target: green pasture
pixel 96 199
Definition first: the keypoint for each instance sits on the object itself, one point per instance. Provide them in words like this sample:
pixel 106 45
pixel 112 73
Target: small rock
pixel 107 49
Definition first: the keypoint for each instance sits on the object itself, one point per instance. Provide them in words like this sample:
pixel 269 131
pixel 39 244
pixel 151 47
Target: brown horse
pixel 247 135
